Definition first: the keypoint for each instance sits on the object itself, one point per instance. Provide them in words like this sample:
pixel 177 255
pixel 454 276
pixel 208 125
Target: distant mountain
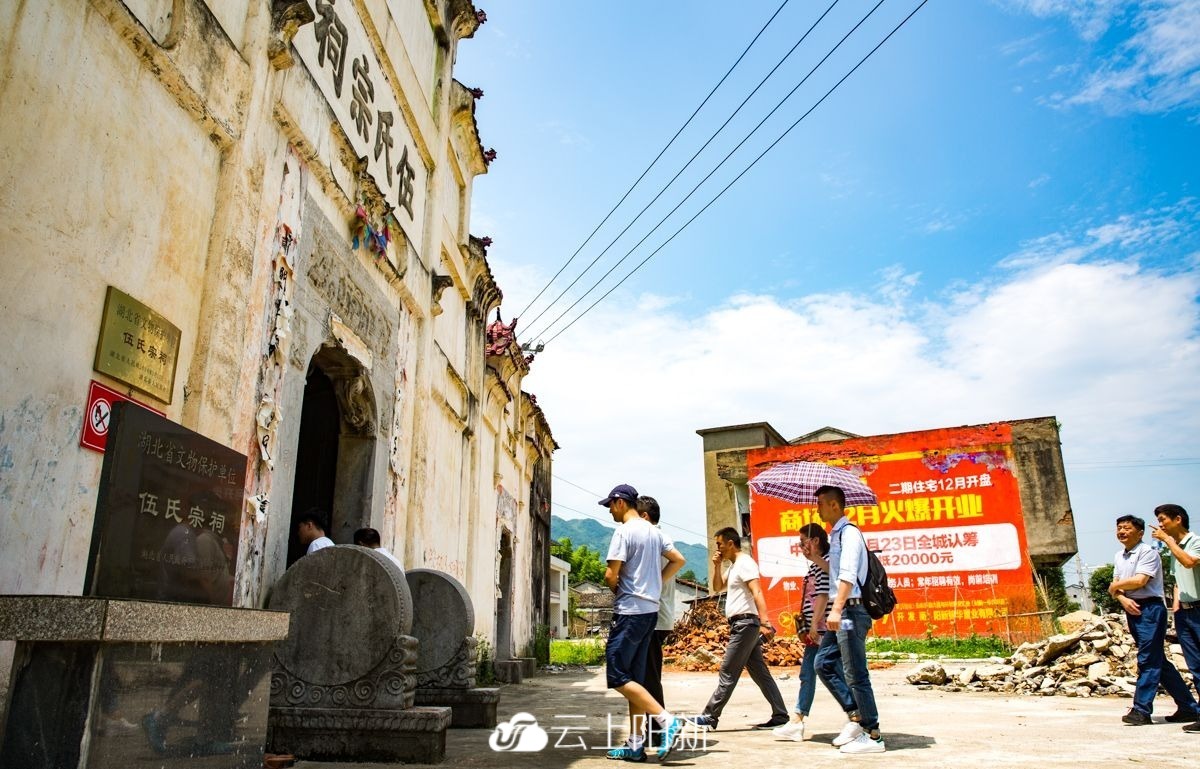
pixel 596 535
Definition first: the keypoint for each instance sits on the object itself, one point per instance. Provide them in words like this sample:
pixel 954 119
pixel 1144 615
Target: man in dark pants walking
pixel 1138 586
pixel 746 609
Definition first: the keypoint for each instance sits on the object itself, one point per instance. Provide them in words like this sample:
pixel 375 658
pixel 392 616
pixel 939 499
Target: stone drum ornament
pixel 443 623
pixel 344 680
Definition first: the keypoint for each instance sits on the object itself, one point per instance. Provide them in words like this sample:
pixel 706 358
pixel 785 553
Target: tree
pixel 688 575
pixel 1098 589
pixel 1055 585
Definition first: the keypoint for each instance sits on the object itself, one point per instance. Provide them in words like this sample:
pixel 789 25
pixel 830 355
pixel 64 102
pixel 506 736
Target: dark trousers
pixel 744 652
pixel 1149 629
pixel 654 657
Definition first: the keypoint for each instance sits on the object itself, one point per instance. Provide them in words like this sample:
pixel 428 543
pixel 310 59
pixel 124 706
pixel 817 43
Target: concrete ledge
pixel 414 735
pixel 528 666
pixel 508 671
pixel 473 708
pixel 62 618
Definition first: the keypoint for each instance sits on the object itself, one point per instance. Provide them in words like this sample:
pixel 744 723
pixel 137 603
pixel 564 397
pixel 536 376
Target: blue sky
pixel 995 217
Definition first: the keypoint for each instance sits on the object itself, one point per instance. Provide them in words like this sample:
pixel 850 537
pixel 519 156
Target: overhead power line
pixel 686 123
pixel 685 166
pixel 727 186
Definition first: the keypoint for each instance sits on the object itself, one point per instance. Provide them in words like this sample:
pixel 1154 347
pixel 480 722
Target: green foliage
pixel 688 575
pixel 485 671
pixel 541 644
pixel 582 651
pixel 1056 591
pixel 951 648
pixel 1098 589
pixel 586 565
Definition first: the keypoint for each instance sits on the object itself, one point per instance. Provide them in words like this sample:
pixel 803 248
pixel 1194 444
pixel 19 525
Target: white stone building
pixel 560 598
pixel 215 160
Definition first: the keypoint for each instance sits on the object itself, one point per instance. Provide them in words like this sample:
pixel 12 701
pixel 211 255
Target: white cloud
pixel 1110 347
pixel 1154 68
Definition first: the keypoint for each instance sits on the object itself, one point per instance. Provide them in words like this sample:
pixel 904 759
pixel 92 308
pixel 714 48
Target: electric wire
pixel 656 159
pixel 686 165
pixel 727 186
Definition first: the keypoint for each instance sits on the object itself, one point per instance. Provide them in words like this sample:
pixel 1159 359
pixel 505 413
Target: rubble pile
pixel 699 639
pixel 1098 657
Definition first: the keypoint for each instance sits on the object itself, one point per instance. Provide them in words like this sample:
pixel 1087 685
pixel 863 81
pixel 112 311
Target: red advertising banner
pixel 948 527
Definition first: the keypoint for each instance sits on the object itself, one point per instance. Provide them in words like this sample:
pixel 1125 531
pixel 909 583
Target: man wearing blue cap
pixel 635 574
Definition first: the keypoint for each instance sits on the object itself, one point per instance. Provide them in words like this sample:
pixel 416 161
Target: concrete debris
pixel 1097 658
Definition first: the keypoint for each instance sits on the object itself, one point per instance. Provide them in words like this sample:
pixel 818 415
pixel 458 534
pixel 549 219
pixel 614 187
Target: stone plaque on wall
pixel 167 515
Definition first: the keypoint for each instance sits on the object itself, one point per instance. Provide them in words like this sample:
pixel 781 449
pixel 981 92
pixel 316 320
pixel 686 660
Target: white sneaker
pixel 851 731
pixel 864 744
pixel 792 730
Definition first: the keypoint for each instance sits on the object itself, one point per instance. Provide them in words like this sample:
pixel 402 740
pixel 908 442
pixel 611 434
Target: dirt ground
pixel 921 728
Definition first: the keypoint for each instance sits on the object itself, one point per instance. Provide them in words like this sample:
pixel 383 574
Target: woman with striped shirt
pixel 814 543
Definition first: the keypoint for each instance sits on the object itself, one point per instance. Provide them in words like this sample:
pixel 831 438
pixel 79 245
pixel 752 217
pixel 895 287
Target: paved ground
pixel 922 728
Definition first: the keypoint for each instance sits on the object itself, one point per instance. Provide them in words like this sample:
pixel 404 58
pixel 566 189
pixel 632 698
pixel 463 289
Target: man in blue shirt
pixel 1138 586
pixel 635 574
pixel 842 659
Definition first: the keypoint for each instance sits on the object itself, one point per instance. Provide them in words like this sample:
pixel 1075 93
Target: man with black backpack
pixel 842 659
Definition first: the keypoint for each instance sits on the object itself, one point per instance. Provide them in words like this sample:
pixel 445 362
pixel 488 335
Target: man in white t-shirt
pixel 370 538
pixel 635 574
pixel 310 529
pixel 749 628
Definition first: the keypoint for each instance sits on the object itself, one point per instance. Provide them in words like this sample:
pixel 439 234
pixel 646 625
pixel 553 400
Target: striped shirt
pixel 816 583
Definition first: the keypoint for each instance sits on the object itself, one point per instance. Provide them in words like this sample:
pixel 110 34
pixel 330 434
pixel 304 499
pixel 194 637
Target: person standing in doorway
pixel 370 538
pixel 1185 566
pixel 635 574
pixel 1138 586
pixel 749 629
pixel 310 529
pixel 842 664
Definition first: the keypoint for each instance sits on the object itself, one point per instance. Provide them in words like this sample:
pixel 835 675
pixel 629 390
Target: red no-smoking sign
pixel 98 416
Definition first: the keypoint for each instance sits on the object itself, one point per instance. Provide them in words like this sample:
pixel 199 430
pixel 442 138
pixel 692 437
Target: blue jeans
pixel 848 656
pixel 808 679
pixel 828 664
pixel 1149 629
pixel 1187 626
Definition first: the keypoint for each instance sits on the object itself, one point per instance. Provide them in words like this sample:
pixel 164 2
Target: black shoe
pixel 1136 718
pixel 1193 728
pixel 704 722
pixel 1183 717
pixel 775 721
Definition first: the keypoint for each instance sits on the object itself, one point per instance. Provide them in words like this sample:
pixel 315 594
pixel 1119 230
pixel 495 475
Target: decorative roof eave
pixel 464 19
pixel 543 424
pixel 485 292
pixel 462 111
pixel 503 351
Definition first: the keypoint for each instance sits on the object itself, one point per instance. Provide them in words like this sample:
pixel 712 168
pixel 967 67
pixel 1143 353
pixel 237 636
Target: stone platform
pixel 473 708
pixel 411 735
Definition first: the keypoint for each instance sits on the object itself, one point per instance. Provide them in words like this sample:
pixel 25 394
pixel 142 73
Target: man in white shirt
pixel 310 530
pixel 635 575
pixel 1138 586
pixel 1185 565
pixel 749 628
pixel 370 538
pixel 842 658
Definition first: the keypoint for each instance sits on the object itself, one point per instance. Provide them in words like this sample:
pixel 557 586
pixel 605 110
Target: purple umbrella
pixel 798 482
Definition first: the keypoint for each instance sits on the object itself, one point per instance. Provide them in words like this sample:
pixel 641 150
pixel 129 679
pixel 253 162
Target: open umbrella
pixel 798 482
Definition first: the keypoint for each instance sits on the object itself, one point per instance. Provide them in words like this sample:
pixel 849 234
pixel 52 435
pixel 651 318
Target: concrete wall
pixel 182 151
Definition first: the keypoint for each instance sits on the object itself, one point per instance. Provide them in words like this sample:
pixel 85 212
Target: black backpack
pixel 877 596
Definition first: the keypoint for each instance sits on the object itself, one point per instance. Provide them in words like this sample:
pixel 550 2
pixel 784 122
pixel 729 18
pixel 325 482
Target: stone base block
pixel 416 735
pixel 528 666
pixel 473 708
pixel 508 671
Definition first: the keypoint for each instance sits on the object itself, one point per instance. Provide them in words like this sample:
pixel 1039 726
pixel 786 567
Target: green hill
pixel 596 535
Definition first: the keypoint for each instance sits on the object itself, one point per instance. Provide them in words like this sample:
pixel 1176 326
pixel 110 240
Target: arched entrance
pixel 336 449
pixel 504 600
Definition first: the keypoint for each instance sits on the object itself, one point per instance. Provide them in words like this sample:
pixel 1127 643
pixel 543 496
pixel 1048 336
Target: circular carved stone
pixel 442 619
pixel 348 605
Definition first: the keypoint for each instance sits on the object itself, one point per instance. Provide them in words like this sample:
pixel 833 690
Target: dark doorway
pixel 316 454
pixel 504 602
